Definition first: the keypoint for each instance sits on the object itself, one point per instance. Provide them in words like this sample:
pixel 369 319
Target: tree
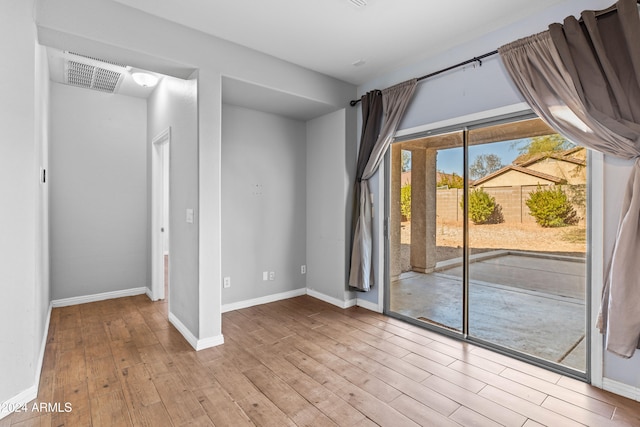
pixel 484 164
pixel 450 180
pixel 541 145
pixel 406 161
pixel 405 201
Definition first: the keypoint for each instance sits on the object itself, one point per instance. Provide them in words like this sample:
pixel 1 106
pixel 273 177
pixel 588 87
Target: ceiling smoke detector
pixel 358 3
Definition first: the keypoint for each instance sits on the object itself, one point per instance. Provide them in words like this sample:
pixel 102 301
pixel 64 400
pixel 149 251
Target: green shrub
pixel 551 207
pixel 405 201
pixel 483 208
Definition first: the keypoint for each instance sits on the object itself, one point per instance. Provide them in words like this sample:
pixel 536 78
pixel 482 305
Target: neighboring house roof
pixel 566 155
pixel 519 169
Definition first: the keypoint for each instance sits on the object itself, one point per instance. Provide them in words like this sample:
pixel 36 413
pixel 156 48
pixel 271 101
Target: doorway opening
pixel 488 239
pixel 160 232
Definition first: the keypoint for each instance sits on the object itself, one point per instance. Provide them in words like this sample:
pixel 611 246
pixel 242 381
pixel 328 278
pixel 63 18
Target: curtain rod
pixel 477 59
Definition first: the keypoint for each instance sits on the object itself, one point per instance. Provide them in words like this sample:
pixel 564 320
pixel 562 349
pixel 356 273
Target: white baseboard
pixel 19 401
pixel 43 346
pixel 98 297
pixel 149 294
pixel 31 393
pixel 621 389
pixel 191 339
pixel 331 300
pixel 209 342
pixel 263 300
pixel 369 305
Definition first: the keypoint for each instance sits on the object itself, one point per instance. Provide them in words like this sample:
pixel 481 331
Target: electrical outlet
pixel 272 275
pixel 303 269
pixel 226 283
pixel 265 275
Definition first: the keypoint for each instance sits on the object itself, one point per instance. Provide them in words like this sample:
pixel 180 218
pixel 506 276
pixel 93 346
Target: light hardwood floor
pixel 294 362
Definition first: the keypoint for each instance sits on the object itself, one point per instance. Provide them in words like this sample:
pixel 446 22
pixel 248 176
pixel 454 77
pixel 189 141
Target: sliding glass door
pixel 487 238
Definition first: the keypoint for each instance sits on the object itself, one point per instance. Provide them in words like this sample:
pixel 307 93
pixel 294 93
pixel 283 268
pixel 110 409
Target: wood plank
pixel 576 413
pixel 110 410
pixel 578 399
pixel 505 384
pixel 373 408
pixel 138 387
pixel 301 412
pixel 220 407
pixel 487 407
pixel 526 408
pixel 445 372
pixel 466 417
pixel 179 402
pixel 421 414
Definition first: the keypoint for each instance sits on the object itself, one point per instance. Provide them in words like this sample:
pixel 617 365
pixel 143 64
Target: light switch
pixel 190 216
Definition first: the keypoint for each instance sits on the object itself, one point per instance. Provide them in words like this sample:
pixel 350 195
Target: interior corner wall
pixel 330 175
pixel 264 212
pixel 174 104
pixel 18 186
pixel 98 189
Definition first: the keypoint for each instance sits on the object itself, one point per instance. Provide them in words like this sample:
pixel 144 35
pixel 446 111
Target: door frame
pixel 160 167
pixel 595 239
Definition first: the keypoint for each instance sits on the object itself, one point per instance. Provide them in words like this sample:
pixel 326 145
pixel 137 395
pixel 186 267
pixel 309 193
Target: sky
pixel 450 160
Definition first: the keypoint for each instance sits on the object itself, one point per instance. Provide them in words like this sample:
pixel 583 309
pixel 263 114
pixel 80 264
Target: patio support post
pixel 423 210
pixel 395 264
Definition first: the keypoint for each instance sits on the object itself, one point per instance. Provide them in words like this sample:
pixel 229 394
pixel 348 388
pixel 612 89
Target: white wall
pixel 23 285
pixel 476 89
pixel 88 27
pixel 264 213
pixel 174 103
pixel 43 128
pixel 331 159
pixel 98 180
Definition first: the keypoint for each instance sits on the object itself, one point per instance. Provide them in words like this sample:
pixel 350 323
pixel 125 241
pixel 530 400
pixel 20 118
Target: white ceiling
pixel 329 36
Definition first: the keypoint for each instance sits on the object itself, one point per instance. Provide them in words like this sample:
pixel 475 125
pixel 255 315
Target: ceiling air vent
pixel 92 73
pixel 358 3
pixel 97 59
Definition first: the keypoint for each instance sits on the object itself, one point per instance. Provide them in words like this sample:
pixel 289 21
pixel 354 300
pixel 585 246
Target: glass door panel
pixel 519 281
pixel 426 230
pixel 527 240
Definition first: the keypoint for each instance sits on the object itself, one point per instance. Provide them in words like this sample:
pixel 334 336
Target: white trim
pixel 596 181
pixel 331 300
pixel 98 297
pixel 191 339
pixel 621 389
pixel 186 333
pixel 43 346
pixel 369 305
pixel 483 115
pixel 19 400
pixel 209 342
pixel 149 294
pixel 159 149
pixel 263 300
pixel 32 392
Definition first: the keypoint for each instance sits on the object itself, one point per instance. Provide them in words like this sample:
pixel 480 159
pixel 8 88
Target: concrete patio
pixel 524 301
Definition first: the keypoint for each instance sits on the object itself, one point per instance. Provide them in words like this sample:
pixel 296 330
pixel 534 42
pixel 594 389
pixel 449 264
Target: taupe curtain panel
pixel 394 103
pixel 583 78
pixel 371 104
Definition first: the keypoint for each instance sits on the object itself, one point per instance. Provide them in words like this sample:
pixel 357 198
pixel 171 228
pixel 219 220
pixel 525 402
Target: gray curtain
pixel 583 78
pixel 394 103
pixel 371 104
